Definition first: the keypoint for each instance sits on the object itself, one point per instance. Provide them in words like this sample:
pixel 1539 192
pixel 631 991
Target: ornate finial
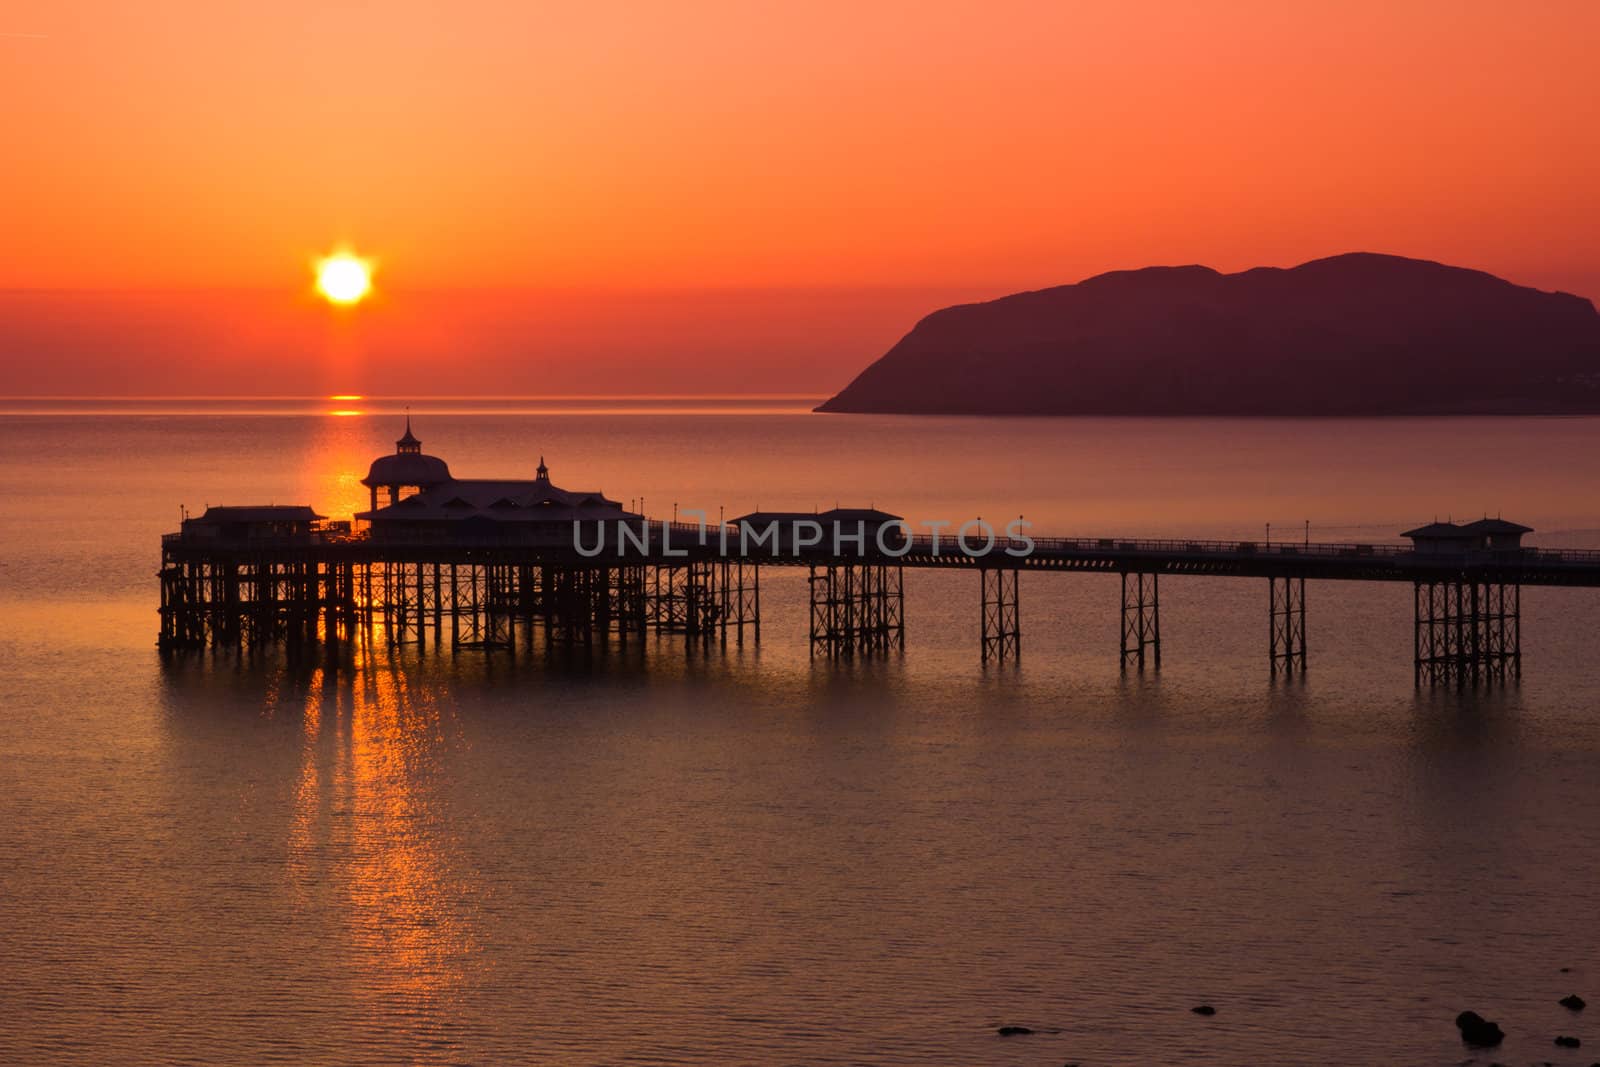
pixel 408 441
pixel 543 472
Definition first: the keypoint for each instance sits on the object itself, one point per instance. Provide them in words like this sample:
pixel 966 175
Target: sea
pixel 703 854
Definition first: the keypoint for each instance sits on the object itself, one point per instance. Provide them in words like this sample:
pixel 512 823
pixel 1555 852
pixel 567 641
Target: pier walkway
pixel 279 577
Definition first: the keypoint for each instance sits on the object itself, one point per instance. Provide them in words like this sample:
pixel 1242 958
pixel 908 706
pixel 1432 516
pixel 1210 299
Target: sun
pixel 344 278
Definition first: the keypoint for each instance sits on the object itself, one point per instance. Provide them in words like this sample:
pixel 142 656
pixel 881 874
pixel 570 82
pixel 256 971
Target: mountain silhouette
pixel 1356 334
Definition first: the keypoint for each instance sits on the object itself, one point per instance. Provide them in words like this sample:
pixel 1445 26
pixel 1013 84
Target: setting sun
pixel 343 278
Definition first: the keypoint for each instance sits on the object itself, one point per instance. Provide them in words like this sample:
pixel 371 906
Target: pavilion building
pixel 425 502
pixel 1459 539
pixel 265 522
pixel 408 472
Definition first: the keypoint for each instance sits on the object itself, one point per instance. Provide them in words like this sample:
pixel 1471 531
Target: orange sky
pixel 937 148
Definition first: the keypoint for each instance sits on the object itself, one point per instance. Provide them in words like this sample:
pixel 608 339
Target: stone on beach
pixel 1476 1030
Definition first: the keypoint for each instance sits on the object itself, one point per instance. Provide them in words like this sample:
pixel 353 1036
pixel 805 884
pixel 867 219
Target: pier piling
pixel 1467 631
pixel 1141 619
pixel 1001 625
pixel 1286 612
pixel 856 607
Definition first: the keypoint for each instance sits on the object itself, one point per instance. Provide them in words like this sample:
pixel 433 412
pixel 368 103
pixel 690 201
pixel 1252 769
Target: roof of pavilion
pixel 835 515
pixel 217 515
pixel 500 500
pixel 1466 531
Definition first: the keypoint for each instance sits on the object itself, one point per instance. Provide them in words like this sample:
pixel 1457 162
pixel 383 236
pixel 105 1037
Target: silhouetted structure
pixel 406 472
pixel 488 560
pixel 269 522
pixel 510 509
pixel 1447 539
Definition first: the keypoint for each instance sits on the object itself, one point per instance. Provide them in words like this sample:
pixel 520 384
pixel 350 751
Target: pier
pixel 477 564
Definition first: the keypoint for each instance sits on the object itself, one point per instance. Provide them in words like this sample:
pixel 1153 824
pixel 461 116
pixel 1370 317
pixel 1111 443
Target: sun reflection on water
pixel 335 464
pixel 366 831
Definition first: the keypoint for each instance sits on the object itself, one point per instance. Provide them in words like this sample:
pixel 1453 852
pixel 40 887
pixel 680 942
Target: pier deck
pixel 481 589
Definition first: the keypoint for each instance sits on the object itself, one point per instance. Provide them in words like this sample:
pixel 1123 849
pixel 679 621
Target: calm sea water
pixel 745 856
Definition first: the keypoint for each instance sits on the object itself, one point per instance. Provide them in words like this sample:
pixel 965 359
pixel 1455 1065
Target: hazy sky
pixel 596 152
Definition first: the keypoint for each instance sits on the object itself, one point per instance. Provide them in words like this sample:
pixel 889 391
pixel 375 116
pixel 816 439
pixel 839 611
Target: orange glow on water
pixel 369 749
pixel 335 464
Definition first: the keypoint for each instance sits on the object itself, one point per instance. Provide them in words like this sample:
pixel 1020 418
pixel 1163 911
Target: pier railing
pixel 1321 550
pixel 331 536
pixel 1191 545
pixel 667 539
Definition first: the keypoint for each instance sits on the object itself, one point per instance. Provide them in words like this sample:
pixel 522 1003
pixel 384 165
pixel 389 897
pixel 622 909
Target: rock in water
pixel 1357 334
pixel 1478 1031
pixel 1568 1042
pixel 1573 1002
pixel 1013 1031
pixel 1204 1009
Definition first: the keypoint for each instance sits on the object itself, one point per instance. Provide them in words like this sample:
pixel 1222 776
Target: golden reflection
pixel 369 831
pixel 307 794
pixel 332 470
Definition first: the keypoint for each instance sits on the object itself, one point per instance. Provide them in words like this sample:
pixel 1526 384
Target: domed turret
pixel 408 444
pixel 407 469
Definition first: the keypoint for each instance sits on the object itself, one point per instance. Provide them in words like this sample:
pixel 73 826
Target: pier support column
pixel 1001 625
pixel 1467 632
pixel 581 603
pixel 412 607
pixel 1141 620
pixel 368 604
pixel 628 601
pixel 482 605
pixel 686 598
pixel 394 601
pixel 739 583
pixel 330 596
pixel 1286 611
pixel 182 618
pixel 229 610
pixel 856 607
pixel 261 614
pixel 438 606
pixel 304 600
pixel 702 606
pixel 501 603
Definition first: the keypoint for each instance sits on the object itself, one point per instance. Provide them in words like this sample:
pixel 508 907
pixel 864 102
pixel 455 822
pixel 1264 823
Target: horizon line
pixel 577 287
pixel 325 397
